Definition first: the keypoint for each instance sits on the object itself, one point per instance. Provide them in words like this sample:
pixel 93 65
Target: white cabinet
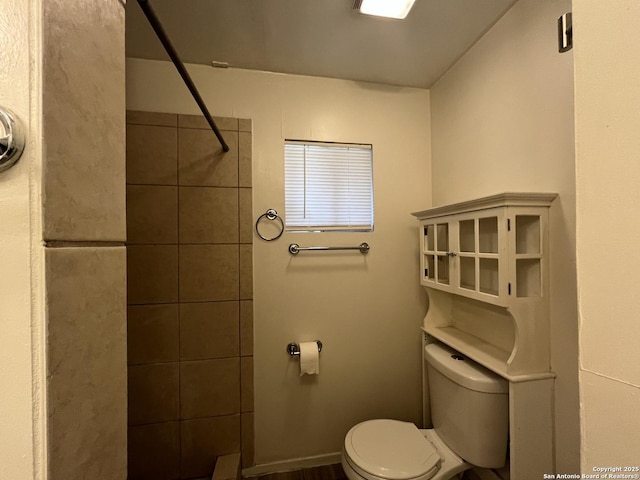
pixel 488 254
pixel 485 266
pixel 492 250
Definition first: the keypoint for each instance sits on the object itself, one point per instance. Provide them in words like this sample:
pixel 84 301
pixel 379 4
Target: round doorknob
pixel 11 139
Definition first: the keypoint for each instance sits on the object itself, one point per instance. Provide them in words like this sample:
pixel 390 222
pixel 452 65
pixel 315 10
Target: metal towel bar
pixel 294 248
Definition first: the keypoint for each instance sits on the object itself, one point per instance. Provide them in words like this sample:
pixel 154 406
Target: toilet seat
pixel 391 450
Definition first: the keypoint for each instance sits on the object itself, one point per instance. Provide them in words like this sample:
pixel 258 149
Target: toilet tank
pixel 469 406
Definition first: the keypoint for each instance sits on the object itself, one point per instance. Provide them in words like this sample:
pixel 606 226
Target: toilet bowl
pixel 469 411
pixel 395 450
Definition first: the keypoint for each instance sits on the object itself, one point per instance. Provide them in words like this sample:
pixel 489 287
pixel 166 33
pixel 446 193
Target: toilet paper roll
pixel 309 358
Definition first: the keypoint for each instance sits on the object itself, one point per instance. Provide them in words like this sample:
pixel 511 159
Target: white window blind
pixel 328 186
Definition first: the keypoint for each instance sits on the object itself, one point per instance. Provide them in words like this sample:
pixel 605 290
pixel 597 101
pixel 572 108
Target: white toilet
pixel 470 415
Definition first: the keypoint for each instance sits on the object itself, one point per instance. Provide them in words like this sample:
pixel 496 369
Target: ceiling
pixel 316 37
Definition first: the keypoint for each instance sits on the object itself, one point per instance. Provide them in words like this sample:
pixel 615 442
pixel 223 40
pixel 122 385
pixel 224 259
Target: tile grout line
pixel 179 299
pixel 240 343
pixel 239 299
pixel 82 243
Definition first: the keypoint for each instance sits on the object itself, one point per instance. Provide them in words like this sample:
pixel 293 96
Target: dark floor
pixel 325 472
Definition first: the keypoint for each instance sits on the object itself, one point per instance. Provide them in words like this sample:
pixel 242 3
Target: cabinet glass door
pixel 443 266
pixel 462 254
pixel 479 250
pixel 436 260
pixel 428 253
pixel 467 253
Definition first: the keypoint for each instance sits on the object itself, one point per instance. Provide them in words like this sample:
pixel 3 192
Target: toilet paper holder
pixel 293 349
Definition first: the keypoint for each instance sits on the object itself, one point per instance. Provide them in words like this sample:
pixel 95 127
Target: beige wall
pixel 607 75
pixel 366 310
pixel 21 317
pixel 503 121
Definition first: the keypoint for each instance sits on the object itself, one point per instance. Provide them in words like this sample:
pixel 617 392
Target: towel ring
pixel 272 215
pixel 12 143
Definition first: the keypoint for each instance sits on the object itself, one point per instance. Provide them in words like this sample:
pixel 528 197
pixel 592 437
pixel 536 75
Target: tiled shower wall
pixel 77 53
pixel 190 311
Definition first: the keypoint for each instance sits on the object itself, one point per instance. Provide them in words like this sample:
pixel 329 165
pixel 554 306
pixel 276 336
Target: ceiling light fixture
pixel 384 8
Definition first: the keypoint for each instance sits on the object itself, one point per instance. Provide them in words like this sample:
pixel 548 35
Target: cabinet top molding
pixel 518 199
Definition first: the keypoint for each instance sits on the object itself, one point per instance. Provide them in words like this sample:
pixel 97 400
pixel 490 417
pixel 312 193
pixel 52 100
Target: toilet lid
pixel 391 449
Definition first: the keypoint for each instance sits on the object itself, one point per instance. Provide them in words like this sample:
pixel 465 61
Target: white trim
pixel 365 146
pixel 499 200
pixel 293 464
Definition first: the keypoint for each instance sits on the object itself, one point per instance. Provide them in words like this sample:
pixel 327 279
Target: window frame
pixel 297 227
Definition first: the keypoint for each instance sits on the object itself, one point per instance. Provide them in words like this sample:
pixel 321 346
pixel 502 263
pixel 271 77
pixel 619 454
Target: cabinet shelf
pixel 526 256
pixel 483 353
pixel 476 349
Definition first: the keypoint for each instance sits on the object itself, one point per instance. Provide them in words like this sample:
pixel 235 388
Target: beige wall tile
pixel 152 214
pixel 247 440
pixel 209 330
pixel 198 121
pixel 152 118
pixel 245 124
pixel 227 467
pixel 246 215
pixel 205 439
pixel 246 272
pixel 152 334
pixel 86 362
pixel 246 384
pixel 209 388
pixel 226 123
pixel 212 215
pixel 208 273
pixel 246 327
pixel 83 105
pixel 201 161
pixel 208 215
pixel 244 159
pixel 153 393
pixel 152 155
pixel 152 274
pixel 154 451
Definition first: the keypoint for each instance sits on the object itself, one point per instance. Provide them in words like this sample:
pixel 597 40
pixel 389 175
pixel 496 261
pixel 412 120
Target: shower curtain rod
pixel 166 43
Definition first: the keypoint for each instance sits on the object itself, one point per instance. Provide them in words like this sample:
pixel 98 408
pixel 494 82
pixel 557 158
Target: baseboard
pixel 293 464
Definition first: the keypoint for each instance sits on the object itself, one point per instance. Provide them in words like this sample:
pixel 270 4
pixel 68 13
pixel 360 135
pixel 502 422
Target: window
pixel 328 186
